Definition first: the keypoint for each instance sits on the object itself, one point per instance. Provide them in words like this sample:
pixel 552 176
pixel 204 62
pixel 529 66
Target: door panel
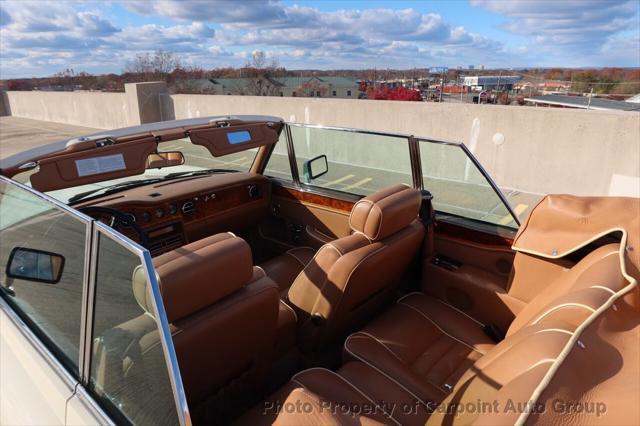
pixel 472 276
pixel 299 218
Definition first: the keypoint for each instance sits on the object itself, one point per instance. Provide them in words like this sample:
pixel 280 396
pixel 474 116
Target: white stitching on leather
pixel 355 335
pixel 441 301
pixel 347 382
pixel 556 330
pixel 289 252
pixel 459 311
pixel 600 287
pixel 558 307
pixel 588 321
pixel 295 315
pixel 346 348
pixel 336 249
pixel 363 234
pixel 542 361
pixel 439 328
pixel 381 219
pixel 264 274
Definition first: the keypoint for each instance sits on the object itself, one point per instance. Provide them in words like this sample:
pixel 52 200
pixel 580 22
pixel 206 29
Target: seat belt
pixel 428 219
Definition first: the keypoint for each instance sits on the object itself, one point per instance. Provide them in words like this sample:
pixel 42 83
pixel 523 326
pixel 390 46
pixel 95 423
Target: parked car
pixel 246 270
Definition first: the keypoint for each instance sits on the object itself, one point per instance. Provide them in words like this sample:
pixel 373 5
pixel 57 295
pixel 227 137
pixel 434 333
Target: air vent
pixel 188 207
pixel 163 245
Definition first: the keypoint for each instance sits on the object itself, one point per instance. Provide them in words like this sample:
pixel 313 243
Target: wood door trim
pixel 312 198
pixel 464 234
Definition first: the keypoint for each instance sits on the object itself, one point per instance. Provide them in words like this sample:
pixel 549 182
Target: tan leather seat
pixel 571 356
pixel 223 313
pixel 569 363
pixel 350 278
pixel 284 269
pixel 427 345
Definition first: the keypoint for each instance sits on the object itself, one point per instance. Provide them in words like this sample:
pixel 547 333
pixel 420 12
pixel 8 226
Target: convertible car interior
pixel 294 304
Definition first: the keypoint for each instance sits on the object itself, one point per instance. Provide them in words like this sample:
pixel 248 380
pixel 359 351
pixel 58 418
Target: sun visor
pixel 235 138
pixel 94 165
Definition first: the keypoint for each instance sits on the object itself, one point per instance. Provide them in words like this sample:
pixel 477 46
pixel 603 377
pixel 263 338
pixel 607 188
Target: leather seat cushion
pixel 422 343
pixel 354 395
pixel 284 269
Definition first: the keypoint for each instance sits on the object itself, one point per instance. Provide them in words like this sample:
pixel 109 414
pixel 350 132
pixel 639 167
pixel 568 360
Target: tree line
pixel 166 66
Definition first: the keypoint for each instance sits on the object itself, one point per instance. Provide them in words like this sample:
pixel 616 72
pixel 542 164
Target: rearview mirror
pixel 315 167
pixel 159 160
pixel 35 265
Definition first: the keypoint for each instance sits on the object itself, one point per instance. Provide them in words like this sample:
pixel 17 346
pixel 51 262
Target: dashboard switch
pixel 254 191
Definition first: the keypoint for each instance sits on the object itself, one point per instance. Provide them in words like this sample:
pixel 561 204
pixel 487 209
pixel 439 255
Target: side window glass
pixel 278 165
pixel 458 186
pixel 356 163
pixel 128 370
pixel 42 264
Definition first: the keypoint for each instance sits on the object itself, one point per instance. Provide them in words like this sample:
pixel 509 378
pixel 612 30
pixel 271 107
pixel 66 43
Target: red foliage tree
pixel 395 94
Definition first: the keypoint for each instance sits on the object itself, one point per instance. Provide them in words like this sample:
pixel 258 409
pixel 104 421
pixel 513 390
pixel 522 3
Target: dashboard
pixel 177 212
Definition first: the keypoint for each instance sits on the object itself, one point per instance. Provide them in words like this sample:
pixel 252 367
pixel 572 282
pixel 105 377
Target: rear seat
pixel 405 358
pixel 427 345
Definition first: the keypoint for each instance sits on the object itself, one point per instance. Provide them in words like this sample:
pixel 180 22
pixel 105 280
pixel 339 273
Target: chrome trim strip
pixel 348 129
pixel 91 290
pixel 491 182
pixel 91 405
pixel 375 133
pixel 416 164
pixel 160 315
pixel 53 362
pixel 293 165
pixel 85 324
pixel 86 219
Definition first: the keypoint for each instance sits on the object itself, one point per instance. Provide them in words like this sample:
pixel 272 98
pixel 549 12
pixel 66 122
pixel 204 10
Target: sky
pixel 41 38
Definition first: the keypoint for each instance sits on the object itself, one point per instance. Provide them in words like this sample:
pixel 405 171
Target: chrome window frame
pixel 79 386
pixel 414 153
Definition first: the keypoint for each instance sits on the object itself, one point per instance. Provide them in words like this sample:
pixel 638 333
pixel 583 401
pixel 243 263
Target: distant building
pixel 492 82
pixel 583 102
pixel 551 87
pixel 320 86
pixel 59 88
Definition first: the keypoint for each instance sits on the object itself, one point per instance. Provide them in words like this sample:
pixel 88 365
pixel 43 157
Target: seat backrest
pixel 223 313
pixel 570 357
pixel 351 277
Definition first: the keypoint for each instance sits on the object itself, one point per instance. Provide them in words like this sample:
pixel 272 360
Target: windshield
pixel 197 158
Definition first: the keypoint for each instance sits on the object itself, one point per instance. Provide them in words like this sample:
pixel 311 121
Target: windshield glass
pixel 196 157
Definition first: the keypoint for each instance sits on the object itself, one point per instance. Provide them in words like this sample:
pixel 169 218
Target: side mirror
pixel 35 265
pixel 315 167
pixel 159 160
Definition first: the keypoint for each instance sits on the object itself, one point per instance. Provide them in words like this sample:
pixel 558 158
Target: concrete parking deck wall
pixel 539 150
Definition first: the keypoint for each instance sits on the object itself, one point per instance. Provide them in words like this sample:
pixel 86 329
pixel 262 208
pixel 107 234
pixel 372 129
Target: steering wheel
pixel 118 219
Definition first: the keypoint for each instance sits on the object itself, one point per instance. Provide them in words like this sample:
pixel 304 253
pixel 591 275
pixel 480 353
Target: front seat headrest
pixel 197 275
pixel 385 212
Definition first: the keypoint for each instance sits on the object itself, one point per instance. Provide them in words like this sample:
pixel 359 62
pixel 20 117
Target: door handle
pixel 446 263
pixel 319 236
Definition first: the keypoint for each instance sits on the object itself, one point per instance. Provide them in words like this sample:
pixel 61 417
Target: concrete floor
pixel 19 134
